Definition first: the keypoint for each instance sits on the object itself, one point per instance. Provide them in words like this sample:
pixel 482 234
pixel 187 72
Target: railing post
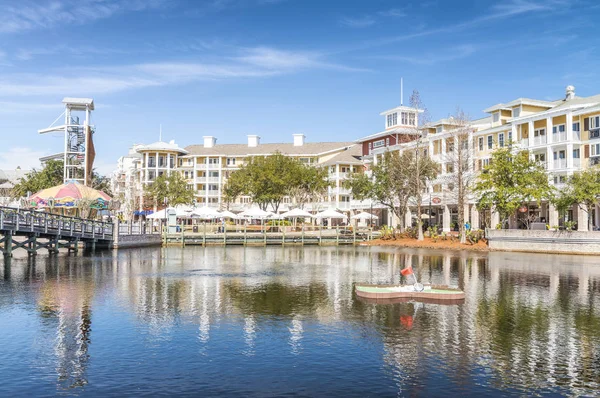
pixel 245 235
pixel 302 233
pixel 45 222
pixel 337 235
pixel 204 236
pixel 1 218
pixel 320 234
pixel 17 225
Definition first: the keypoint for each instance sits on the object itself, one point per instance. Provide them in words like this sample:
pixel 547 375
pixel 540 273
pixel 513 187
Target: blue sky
pixel 229 68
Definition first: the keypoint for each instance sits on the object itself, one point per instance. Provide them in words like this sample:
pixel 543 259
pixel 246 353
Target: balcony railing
pixel 560 164
pixel 559 137
pixel 595 133
pixel 540 140
pixel 595 160
pixel 576 162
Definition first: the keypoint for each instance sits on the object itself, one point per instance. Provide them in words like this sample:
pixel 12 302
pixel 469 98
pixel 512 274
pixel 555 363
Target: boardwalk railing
pixel 139 228
pixel 20 221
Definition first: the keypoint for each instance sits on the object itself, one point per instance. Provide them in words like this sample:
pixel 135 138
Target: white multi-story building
pixel 207 167
pixel 563 135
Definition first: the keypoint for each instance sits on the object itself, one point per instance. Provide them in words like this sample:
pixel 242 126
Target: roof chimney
pixel 299 139
pixel 209 141
pixel 253 141
pixel 570 93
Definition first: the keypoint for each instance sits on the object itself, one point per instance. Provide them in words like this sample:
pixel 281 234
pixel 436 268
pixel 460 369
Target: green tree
pixel 101 183
pixel 512 179
pixel 308 184
pixel 393 183
pixel 267 180
pixel 582 189
pixel 49 176
pixel 171 190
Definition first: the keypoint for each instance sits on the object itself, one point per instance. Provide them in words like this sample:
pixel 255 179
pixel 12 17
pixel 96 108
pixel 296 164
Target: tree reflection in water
pixel 529 323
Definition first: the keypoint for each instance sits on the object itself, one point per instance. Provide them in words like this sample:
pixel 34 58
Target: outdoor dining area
pixel 186 224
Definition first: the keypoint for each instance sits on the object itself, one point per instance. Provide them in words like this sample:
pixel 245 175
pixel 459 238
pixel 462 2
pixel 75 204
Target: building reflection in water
pixel 529 321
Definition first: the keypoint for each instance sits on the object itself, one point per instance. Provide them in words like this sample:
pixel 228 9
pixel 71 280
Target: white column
pixel 582 217
pixel 446 219
pixel 513 129
pixel 530 132
pixel 495 219
pixel 569 155
pixel 549 125
pixel 569 127
pixel 337 185
pixel 552 215
pixel 474 217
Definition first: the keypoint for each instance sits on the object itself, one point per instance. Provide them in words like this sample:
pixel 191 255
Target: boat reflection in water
pixel 276 321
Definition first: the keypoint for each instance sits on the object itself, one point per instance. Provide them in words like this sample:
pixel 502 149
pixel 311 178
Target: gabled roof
pixel 351 155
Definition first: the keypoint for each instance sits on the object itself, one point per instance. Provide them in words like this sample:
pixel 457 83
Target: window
pixel 501 140
pixel 481 143
pixel 392 119
pixel 558 129
pixel 213 160
pixel 449 168
pixel 539 132
pixel 213 187
pixel 439 129
pixel 540 157
pixel 230 161
pixel 387 142
pixel 595 149
pixel 151 161
pixel 151 175
pixel 378 144
pixel 594 122
pixel 490 141
pixel 509 136
pixel 404 118
pixel 576 153
pixel 517 111
pixel 411 119
pixel 496 117
pixel 576 126
pixel 213 174
pixel 486 162
pixel 161 161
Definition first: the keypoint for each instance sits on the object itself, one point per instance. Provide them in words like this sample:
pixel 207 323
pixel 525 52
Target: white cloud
pixel 26 158
pixel 361 22
pixel 393 12
pixel 247 63
pixel 37 14
pixel 436 57
pixel 26 107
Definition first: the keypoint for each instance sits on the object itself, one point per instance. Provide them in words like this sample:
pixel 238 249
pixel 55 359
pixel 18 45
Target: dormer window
pixel 496 117
pixel 392 119
pixel 439 129
pixel 404 118
pixel 516 111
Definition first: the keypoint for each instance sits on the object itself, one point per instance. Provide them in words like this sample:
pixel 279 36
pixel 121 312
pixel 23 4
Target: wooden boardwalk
pixel 39 230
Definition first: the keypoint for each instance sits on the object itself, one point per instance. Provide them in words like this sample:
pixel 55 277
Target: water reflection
pixel 529 322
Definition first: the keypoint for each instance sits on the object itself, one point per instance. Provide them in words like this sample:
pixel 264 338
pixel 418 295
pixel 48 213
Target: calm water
pixel 284 322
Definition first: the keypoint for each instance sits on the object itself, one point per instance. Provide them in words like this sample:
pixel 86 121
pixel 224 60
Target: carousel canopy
pixel 69 194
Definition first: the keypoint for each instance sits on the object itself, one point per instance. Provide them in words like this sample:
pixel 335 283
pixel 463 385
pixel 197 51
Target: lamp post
pixel 430 209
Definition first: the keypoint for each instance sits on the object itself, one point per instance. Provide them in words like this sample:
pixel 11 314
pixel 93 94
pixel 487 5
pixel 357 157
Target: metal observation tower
pixel 78 154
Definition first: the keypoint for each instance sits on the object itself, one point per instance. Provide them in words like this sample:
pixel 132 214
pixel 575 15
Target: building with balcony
pixel 563 135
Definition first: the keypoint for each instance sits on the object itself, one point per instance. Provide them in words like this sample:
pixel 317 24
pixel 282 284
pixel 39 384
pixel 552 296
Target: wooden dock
pixel 39 230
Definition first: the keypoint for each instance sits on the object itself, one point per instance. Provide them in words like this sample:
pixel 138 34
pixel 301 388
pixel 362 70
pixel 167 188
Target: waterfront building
pixel 8 179
pixel 563 135
pixel 207 167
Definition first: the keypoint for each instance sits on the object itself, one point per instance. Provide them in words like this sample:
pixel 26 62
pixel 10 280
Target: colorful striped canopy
pixel 68 195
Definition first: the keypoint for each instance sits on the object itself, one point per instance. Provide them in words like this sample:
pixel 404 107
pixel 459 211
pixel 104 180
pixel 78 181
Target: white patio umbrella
pixel 228 214
pixel 364 216
pixel 296 213
pixel 183 211
pixel 255 213
pixel 330 214
pixel 206 213
pixel 158 215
